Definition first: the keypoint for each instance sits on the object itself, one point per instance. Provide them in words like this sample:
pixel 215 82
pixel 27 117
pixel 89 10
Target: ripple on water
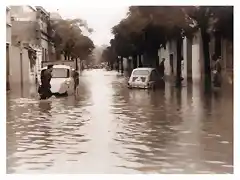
pixel 109 128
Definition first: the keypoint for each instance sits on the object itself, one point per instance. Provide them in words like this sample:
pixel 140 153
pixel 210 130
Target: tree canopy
pixel 69 39
pixel 152 25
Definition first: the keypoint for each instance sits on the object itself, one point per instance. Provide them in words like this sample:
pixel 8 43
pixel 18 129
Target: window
pixel 46 55
pixel 141 72
pixel 60 73
pixel 43 55
pixel 171 62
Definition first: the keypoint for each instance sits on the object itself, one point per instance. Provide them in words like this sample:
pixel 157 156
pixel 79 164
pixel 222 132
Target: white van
pixel 62 81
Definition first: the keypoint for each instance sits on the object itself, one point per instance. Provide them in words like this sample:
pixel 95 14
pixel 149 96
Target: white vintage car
pixel 62 81
pixel 145 78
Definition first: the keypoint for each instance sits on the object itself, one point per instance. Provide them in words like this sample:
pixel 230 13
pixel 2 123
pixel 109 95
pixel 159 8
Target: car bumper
pixel 138 86
pixel 62 89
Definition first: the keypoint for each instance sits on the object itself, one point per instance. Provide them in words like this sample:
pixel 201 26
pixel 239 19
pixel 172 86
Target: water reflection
pixel 107 128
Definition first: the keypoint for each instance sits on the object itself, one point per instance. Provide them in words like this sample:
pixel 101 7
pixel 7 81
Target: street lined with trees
pixel 147 28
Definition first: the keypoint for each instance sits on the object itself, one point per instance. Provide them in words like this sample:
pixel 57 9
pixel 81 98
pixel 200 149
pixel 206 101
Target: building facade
pixel 31 25
pixel 42 19
pixel 29 33
pixel 8 44
pixel 193 58
pixel 28 36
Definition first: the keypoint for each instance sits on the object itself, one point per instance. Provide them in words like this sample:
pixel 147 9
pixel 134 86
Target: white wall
pixel 125 64
pixel 8 27
pixel 23 13
pixel 185 59
pixel 227 61
pixel 173 50
pixel 165 53
pixel 197 58
pixel 15 67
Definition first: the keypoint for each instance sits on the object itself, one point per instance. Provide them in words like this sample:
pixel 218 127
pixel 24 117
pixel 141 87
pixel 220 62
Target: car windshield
pixel 140 72
pixel 60 73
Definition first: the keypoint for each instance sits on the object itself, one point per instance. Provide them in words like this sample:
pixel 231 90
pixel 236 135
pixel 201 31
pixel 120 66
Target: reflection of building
pixel 8 43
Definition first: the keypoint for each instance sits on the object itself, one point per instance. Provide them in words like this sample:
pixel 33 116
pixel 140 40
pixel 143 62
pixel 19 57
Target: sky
pixel 100 19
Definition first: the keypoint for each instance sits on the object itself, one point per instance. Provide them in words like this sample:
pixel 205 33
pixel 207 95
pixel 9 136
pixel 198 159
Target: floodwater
pixel 107 128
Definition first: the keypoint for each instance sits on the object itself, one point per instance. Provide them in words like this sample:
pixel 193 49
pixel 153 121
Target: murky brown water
pixel 108 128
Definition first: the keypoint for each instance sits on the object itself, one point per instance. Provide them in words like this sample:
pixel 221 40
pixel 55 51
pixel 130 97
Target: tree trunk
pixel 111 64
pixel 217 43
pixel 130 65
pixel 140 61
pixel 118 64
pixel 179 59
pixel 134 62
pixel 65 56
pixel 76 64
pixel 121 59
pixel 207 65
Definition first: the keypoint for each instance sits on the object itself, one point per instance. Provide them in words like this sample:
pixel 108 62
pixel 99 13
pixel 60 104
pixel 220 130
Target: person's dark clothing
pixel 161 69
pixel 45 88
pixel 76 79
pixel 217 76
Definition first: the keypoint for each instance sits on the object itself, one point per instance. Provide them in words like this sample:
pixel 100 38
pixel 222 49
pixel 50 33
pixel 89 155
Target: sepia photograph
pixel 124 90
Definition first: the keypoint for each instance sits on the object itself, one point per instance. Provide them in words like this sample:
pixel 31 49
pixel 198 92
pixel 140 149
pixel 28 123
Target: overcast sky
pixel 100 19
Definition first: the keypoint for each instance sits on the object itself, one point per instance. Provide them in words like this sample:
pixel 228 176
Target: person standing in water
pixel 45 88
pixel 76 79
pixel 162 68
pixel 216 69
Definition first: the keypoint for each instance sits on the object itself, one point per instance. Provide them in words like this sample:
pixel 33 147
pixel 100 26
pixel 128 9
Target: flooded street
pixel 107 128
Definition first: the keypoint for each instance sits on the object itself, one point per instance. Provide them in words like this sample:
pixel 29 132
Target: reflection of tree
pixel 147 124
pixel 162 119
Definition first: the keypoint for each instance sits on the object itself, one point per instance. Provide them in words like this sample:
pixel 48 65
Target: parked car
pixel 62 81
pixel 145 78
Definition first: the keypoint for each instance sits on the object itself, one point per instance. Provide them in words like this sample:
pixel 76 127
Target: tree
pixel 83 47
pixel 217 20
pixel 69 40
pixel 107 56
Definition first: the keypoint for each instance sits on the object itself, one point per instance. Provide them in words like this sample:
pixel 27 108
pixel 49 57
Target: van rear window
pixel 60 73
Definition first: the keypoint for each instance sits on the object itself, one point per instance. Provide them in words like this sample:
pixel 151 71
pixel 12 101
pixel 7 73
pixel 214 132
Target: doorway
pixel 7 68
pixel 171 64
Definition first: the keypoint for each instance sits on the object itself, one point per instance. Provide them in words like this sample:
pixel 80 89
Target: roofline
pixel 42 9
pixel 33 8
pixel 144 68
pixel 59 65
